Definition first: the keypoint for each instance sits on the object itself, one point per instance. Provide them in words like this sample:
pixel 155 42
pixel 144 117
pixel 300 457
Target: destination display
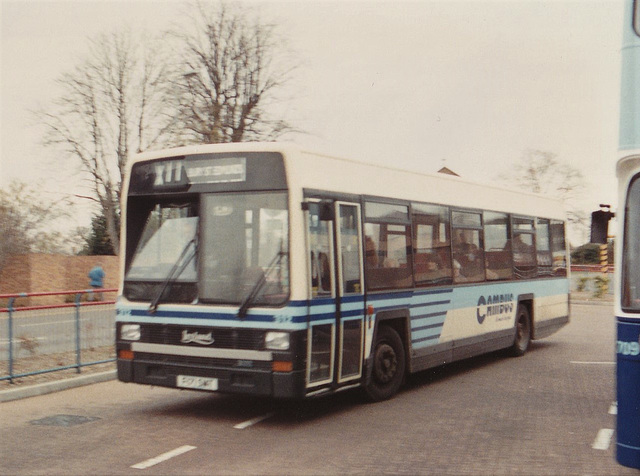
pixel 209 172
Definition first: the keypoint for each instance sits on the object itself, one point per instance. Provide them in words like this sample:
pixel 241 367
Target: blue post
pixel 78 357
pixel 10 307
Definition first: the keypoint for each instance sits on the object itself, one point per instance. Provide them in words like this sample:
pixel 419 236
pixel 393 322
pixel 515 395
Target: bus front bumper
pixel 233 379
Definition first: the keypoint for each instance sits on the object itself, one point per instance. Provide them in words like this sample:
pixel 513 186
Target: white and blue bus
pixel 627 302
pixel 264 269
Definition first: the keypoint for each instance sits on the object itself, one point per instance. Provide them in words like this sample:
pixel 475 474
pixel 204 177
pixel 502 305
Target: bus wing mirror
pixel 326 211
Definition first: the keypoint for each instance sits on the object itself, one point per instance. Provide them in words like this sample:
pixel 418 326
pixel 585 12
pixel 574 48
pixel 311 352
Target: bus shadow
pixel 234 409
pixel 452 370
pixel 460 367
pixel 304 411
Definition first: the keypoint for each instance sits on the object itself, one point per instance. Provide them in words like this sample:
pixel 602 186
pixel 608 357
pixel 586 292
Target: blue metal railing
pixel 95 315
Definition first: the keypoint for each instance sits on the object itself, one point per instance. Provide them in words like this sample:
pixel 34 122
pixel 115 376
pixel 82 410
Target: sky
pixel 470 85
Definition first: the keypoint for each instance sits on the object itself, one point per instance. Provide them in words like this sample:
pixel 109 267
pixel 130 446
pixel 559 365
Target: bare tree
pixel 232 67
pixel 125 97
pixel 112 104
pixel 25 219
pixel 543 173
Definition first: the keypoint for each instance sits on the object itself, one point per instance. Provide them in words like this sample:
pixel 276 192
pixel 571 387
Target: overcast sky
pixel 467 84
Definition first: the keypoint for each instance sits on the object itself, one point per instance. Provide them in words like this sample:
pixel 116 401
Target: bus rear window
pixel 631 256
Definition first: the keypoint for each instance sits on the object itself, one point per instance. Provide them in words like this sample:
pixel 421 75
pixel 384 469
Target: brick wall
pixel 36 272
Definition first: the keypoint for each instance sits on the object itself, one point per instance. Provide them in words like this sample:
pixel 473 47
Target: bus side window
pixel 543 247
pixel 431 244
pixel 387 263
pixel 524 247
pixel 320 252
pixel 497 246
pixel 468 263
pixel 558 248
pixel 320 273
pixel 467 246
pixel 387 246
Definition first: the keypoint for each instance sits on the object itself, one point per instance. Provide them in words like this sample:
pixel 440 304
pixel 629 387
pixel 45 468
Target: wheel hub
pixel 386 363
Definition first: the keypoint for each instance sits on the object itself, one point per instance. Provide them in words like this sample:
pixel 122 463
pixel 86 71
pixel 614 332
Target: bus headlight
pixel 130 332
pixel 276 340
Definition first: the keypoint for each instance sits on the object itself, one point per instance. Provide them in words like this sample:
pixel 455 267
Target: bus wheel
pixel 523 332
pixel 388 365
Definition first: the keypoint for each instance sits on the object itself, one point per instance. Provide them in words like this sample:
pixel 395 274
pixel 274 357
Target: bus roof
pixel 316 171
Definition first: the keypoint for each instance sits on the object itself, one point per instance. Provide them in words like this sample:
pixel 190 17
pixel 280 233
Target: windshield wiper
pixel 176 271
pixel 248 301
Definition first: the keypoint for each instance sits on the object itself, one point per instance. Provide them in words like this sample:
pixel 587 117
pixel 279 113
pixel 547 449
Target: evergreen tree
pixel 98 241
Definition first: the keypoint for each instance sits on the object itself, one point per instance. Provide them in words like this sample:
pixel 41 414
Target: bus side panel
pixel 483 318
pixel 551 313
pixel 482 312
pixel 449 324
pixel 427 311
pixel 627 378
pixel 432 356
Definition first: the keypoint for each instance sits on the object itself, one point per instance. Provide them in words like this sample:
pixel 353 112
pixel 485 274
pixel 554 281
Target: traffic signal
pixel 600 225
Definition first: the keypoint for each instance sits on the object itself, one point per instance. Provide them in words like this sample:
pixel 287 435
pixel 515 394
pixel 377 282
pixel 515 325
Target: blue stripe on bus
pixel 427 304
pixel 427 327
pixel 420 323
pixel 418 335
pixel 352 299
pixel 390 295
pixel 424 316
pixel 297 317
pixel 427 308
pixel 352 313
pixel 430 326
pixel 322 317
pixel 203 315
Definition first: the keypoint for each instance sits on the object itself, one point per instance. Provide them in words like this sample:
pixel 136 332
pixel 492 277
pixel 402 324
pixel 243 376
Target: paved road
pixel 548 412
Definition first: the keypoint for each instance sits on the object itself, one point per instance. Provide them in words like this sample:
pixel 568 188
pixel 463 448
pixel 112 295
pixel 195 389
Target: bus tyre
pixel 388 364
pixel 523 332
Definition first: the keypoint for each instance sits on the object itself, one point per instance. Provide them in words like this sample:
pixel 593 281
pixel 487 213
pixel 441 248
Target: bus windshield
pixel 217 248
pixel 245 242
pixel 168 236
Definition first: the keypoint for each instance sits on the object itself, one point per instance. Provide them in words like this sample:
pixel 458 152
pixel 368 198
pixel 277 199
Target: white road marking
pixel 613 409
pixel 591 363
pixel 603 439
pixel 253 421
pixel 163 457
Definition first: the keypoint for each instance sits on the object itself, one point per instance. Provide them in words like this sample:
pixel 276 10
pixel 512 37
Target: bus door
pixel 337 308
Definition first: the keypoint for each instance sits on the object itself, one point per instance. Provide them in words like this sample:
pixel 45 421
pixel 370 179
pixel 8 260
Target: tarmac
pixel 89 379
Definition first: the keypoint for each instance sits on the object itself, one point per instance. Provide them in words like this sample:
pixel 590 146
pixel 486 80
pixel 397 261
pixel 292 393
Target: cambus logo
pixel 500 305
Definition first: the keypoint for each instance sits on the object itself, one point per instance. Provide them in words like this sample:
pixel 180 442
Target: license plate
pixel 198 383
